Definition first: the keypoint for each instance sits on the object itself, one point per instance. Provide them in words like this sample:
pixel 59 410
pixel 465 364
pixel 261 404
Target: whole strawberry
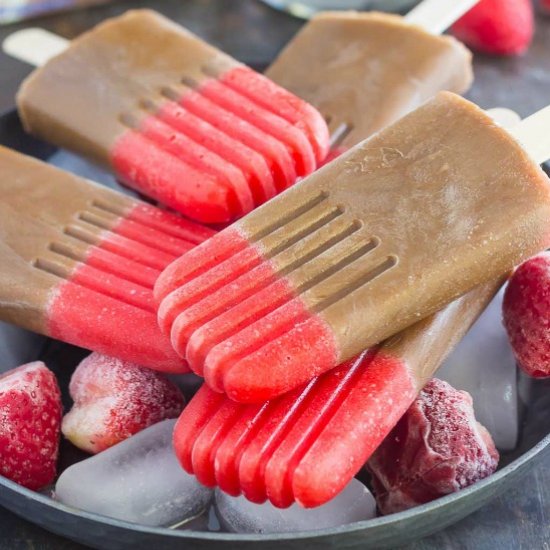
pixel 437 448
pixel 498 27
pixel 526 312
pixel 30 420
pixel 114 399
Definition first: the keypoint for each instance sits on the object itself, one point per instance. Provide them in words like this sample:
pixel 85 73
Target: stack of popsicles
pixel 280 450
pixel 276 310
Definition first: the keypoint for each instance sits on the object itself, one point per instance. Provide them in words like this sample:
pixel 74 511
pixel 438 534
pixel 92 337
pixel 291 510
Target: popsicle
pixel 385 235
pixel 294 434
pixel 174 117
pixel 306 445
pixel 365 70
pixel 78 261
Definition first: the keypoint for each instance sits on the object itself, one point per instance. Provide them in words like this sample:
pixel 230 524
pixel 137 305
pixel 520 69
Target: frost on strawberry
pixel 30 420
pixel 437 448
pixel 115 399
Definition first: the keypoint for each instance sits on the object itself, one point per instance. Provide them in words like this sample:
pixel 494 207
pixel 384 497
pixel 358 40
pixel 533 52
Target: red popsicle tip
pixel 96 321
pixel 228 145
pixel 238 322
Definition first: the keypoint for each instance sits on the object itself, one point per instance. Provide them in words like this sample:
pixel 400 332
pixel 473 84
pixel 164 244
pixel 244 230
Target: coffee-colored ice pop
pixel 385 235
pixel 174 117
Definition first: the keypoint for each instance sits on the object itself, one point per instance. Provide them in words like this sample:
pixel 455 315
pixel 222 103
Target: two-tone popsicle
pixel 389 233
pixel 78 261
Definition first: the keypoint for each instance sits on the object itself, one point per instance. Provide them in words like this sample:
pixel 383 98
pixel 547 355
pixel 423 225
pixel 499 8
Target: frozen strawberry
pixel 30 420
pixel 498 27
pixel 526 312
pixel 437 448
pixel 114 399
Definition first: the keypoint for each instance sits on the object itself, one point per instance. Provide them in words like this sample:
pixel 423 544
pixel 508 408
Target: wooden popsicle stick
pixel 436 16
pixel 34 46
pixel 534 135
pixel 504 117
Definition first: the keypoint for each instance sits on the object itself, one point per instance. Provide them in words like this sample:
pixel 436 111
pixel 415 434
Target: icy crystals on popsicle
pixel 387 234
pixel 174 117
pixel 83 268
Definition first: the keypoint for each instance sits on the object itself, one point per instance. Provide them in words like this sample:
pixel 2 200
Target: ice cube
pixel 18 346
pixel 483 364
pixel 236 514
pixel 139 480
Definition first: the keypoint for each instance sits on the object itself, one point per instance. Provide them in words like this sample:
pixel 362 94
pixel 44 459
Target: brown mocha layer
pixel 424 346
pixel 77 99
pixel 369 69
pixel 38 203
pixel 450 199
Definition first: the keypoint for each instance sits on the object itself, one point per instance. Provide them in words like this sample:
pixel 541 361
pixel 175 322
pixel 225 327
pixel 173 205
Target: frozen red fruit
pixel 498 27
pixel 436 448
pixel 30 421
pixel 114 399
pixel 526 312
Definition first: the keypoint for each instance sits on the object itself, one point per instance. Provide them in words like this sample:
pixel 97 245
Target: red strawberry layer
pixel 30 420
pixel 228 145
pixel 238 322
pixel 106 303
pixel 114 399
